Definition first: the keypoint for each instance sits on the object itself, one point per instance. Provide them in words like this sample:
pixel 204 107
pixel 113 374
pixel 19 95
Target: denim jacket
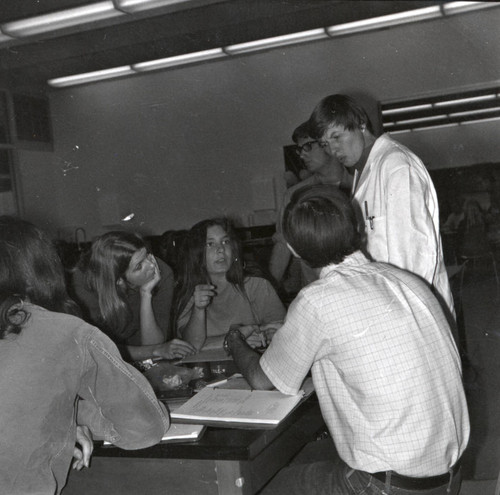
pixel 57 373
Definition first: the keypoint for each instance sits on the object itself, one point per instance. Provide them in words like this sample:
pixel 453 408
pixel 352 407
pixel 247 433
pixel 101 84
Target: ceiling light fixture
pixel 61 20
pixel 407 109
pixel 187 58
pixel 472 99
pixel 385 21
pixel 277 41
pixel 87 77
pixel 133 6
pixel 460 7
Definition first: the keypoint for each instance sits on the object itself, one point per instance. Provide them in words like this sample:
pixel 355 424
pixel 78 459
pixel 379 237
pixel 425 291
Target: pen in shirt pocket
pixel 367 216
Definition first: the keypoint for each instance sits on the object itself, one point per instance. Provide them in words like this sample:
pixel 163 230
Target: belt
pixel 408 483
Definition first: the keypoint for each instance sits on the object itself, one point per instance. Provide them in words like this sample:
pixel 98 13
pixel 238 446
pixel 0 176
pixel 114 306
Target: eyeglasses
pixel 307 147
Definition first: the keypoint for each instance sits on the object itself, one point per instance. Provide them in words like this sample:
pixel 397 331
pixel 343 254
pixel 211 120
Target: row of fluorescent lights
pixel 87 14
pixel 102 10
pixel 425 123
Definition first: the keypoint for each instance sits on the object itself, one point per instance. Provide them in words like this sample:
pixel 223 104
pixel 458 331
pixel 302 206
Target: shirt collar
pixel 355 259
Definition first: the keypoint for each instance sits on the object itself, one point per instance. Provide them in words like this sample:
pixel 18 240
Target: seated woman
pixel 58 372
pixel 127 292
pixel 214 291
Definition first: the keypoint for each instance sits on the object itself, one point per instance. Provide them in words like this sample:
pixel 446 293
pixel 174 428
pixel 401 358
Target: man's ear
pixel 292 250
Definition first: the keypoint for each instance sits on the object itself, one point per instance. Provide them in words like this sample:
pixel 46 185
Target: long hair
pixel 320 225
pixel 193 265
pixel 103 267
pixel 30 270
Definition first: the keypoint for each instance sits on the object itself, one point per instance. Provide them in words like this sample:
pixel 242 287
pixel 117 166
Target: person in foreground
pixel 215 292
pixel 386 370
pixel 127 292
pixel 393 194
pixel 62 381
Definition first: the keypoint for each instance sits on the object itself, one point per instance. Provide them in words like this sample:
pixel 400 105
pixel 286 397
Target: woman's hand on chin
pixel 148 287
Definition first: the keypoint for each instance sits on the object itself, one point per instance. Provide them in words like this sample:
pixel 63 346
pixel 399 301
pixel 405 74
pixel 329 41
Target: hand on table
pixel 174 349
pixel 83 452
pixel 203 295
pixel 269 330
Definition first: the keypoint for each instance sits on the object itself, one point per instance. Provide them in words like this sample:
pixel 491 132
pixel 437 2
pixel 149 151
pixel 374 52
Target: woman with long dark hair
pixel 60 378
pixel 215 292
pixel 127 292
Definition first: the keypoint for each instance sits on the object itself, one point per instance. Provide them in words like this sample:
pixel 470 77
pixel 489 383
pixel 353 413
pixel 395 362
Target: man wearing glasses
pixel 393 194
pixel 325 169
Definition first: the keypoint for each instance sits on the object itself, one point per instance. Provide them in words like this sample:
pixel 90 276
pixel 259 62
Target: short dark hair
pixel 319 223
pixel 301 132
pixel 337 110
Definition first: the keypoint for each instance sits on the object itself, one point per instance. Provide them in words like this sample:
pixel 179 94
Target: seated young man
pixel 384 363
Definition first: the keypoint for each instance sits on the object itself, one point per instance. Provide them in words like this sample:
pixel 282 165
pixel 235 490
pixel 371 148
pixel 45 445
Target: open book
pixel 237 408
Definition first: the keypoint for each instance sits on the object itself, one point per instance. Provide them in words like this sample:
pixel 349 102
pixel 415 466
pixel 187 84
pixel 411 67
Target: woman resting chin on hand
pixel 215 292
pixel 127 292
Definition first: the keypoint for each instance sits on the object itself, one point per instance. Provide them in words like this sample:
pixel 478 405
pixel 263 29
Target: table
pixel 225 461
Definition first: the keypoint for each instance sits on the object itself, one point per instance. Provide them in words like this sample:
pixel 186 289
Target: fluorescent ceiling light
pixel 186 58
pixel 474 112
pixel 133 6
pixel 61 20
pixel 391 111
pixel 459 7
pixel 286 39
pixel 385 21
pixel 458 101
pixel 98 75
pixel 422 119
pixel 480 121
pixel 440 126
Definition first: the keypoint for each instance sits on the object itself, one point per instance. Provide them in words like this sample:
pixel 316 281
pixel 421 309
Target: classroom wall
pixel 176 146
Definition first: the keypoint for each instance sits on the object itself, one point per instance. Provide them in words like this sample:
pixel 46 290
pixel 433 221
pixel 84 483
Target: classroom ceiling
pixel 182 27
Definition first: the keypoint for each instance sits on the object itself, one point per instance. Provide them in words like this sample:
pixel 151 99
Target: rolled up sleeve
pixel 117 402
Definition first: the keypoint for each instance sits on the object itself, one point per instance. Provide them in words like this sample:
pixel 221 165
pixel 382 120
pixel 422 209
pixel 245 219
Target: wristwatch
pixel 233 332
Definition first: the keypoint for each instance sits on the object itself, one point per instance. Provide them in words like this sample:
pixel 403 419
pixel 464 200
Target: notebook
pixel 237 408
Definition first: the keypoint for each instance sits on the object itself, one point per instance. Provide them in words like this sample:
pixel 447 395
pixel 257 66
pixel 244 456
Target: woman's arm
pixel 173 349
pixel 195 331
pixel 151 333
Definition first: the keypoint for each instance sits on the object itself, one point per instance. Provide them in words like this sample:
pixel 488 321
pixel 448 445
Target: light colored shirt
pixel 55 360
pixel 384 364
pixel 260 305
pixel 396 202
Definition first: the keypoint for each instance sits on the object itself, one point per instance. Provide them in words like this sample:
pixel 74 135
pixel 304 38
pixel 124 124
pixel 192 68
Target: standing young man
pixel 384 364
pixel 393 194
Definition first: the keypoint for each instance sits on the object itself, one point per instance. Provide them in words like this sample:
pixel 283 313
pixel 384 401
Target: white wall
pixel 177 146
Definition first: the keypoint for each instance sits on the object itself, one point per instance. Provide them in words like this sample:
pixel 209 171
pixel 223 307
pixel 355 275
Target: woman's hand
pixel 259 336
pixel 203 295
pixel 174 349
pixel 269 330
pixel 82 453
pixel 148 287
